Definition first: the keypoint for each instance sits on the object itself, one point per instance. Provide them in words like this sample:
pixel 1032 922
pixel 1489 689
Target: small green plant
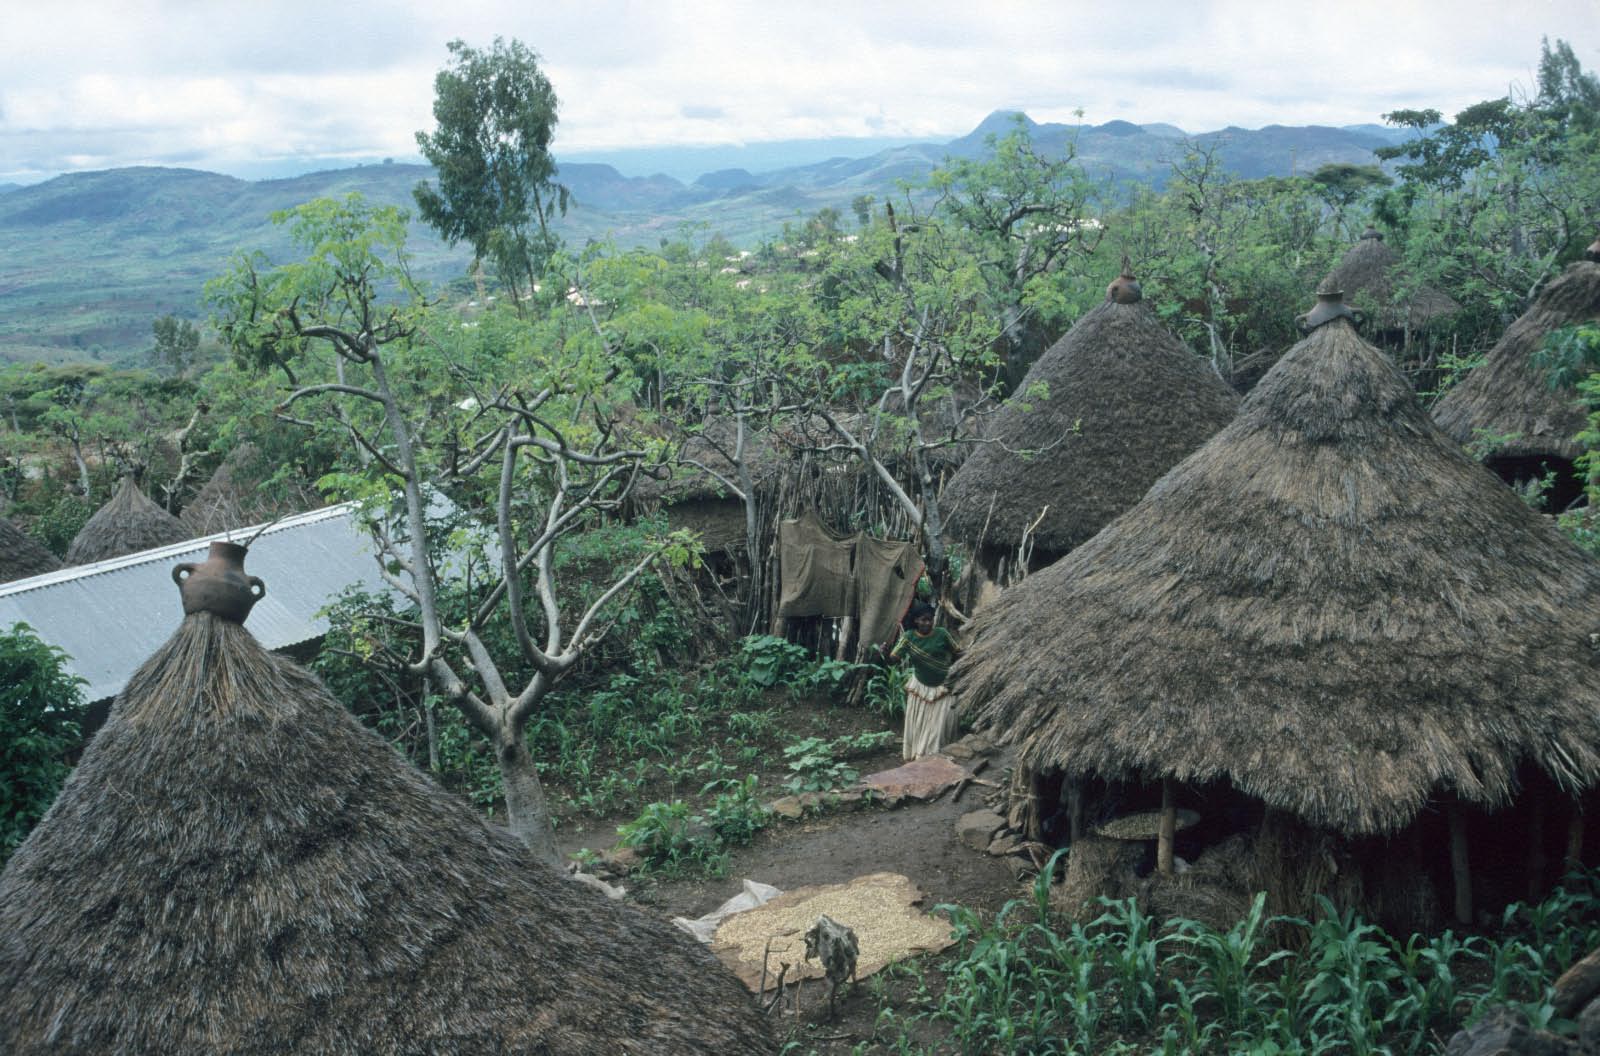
pixel 673 841
pixel 814 766
pixel 885 691
pixel 767 660
pixel 736 815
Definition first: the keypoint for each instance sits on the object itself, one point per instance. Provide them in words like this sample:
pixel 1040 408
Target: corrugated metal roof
pixel 111 615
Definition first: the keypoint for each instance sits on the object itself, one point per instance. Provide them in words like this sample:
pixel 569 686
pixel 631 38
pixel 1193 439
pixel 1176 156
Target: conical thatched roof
pixel 21 556
pixel 1367 276
pixel 1127 402
pixel 236 866
pixel 1329 605
pixel 130 522
pixel 1509 395
pixel 226 501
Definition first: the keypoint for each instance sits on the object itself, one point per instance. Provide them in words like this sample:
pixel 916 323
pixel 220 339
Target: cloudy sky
pixel 252 87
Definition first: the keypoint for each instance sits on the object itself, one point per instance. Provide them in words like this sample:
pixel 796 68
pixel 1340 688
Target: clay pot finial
pixel 1330 306
pixel 1124 289
pixel 218 584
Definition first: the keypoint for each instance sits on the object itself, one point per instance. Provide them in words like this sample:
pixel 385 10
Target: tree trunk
pixel 527 815
pixel 83 467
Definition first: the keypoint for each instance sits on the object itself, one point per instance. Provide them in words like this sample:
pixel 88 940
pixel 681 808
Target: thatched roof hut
pixel 1329 607
pixel 1127 401
pixel 237 866
pixel 231 498
pixel 1367 274
pixel 130 522
pixel 1509 396
pixel 21 555
pixel 696 495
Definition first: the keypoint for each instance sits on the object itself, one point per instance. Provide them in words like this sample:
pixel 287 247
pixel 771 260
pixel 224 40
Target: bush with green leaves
pixel 817 764
pixel 768 660
pixel 41 706
pixel 674 841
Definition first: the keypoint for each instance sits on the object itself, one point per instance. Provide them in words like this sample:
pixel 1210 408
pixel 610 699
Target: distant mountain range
pixel 88 260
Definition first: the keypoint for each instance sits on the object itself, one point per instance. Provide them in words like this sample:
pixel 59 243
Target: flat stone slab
pixel 976 829
pixel 923 778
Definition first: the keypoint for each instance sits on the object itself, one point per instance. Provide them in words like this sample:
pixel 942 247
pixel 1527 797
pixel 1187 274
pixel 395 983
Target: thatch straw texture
pixel 1367 274
pixel 21 555
pixel 712 447
pixel 1127 402
pixel 234 496
pixel 1329 605
pixel 127 524
pixel 236 866
pixel 1509 395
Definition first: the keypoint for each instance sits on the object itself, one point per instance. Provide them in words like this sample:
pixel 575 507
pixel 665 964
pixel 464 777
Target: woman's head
pixel 920 617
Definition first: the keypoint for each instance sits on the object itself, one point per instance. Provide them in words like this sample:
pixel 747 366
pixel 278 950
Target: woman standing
pixel 930 720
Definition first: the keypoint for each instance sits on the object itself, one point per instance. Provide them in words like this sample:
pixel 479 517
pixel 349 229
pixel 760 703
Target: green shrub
pixel 41 706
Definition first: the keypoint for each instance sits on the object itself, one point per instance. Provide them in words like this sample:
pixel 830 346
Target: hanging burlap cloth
pixel 886 579
pixel 815 568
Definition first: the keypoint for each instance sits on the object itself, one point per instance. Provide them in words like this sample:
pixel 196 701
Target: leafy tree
pixel 1491 204
pixel 533 449
pixel 1569 95
pixel 1024 212
pixel 496 114
pixel 40 708
pixel 177 343
pixel 1342 185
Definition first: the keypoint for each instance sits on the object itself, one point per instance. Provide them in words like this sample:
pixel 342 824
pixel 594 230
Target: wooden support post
pixel 1460 864
pixel 846 627
pixel 1075 809
pixel 1536 845
pixel 1574 858
pixel 1169 828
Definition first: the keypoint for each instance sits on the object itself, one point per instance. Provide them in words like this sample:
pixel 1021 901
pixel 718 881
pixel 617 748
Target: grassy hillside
pixel 89 260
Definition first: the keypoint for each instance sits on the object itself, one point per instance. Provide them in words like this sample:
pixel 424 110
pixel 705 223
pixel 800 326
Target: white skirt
pixel 930 720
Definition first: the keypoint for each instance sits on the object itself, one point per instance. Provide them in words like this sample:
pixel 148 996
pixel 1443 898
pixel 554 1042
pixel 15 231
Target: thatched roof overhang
pixel 237 866
pixel 1329 605
pixel 130 522
pixel 1509 396
pixel 704 458
pixel 1366 275
pixel 21 555
pixel 1127 401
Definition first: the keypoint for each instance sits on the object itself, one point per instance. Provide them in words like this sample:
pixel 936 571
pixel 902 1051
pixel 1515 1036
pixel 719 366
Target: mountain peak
pixel 1001 121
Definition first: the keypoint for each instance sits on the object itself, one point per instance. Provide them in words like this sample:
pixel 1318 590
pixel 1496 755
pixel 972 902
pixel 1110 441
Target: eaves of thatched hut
pixel 1329 611
pixel 238 866
pixel 696 494
pixel 21 555
pixel 1126 402
pixel 130 522
pixel 1508 405
pixel 1368 275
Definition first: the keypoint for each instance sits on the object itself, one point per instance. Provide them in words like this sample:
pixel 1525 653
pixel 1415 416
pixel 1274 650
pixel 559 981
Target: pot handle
pixel 258 589
pixel 182 572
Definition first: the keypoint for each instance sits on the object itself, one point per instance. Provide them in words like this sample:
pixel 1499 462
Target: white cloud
pixel 218 83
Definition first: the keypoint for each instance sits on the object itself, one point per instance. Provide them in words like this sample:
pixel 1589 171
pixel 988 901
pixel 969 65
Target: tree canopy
pixel 496 115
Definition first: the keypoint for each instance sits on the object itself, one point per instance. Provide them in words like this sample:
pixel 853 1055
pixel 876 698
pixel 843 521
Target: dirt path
pixel 917 840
